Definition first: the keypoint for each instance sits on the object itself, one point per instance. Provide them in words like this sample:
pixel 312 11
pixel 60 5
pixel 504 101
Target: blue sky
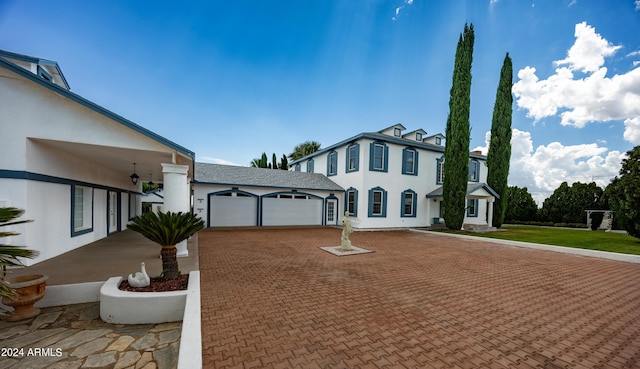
pixel 232 79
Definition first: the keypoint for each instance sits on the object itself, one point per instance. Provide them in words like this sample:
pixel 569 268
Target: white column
pixel 490 212
pixel 429 217
pixel 176 194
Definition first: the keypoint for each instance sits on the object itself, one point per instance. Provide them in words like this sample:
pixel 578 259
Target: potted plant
pixel 167 230
pixel 23 292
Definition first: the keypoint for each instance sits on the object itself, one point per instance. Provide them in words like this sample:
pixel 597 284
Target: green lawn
pixel 584 239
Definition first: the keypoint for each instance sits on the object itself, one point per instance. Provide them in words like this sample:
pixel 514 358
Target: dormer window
pixel 396 132
pixel 418 136
pixel 44 75
pixel 438 141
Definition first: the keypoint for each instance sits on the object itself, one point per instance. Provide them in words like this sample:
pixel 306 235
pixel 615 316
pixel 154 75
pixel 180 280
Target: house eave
pixel 385 138
pixel 196 182
pixel 95 107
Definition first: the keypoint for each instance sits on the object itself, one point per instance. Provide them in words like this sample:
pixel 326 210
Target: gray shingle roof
pixel 260 177
pixel 471 187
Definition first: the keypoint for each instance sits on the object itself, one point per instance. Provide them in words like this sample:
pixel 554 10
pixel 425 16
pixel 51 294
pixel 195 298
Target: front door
pixel 332 215
pixel 113 212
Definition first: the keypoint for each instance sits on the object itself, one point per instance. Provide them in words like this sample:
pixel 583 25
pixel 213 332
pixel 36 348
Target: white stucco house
pixel 393 179
pixel 226 195
pixel 69 162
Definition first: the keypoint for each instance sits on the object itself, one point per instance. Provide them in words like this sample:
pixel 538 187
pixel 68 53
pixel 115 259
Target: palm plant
pixel 304 149
pixel 167 230
pixel 9 255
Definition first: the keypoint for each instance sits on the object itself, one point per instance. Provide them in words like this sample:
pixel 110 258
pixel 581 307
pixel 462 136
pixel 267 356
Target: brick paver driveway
pixel 272 299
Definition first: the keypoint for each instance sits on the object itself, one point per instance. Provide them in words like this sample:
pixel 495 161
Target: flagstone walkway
pixel 273 299
pixel 74 336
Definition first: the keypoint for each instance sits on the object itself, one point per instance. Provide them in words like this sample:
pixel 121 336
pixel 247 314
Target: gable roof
pixel 471 188
pixel 377 136
pixel 38 61
pixel 422 131
pixel 397 125
pixel 232 175
pixel 4 63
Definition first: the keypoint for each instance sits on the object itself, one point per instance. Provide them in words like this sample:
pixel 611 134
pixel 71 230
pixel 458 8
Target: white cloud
pixel 637 2
pixel 588 52
pixel 398 9
pixel 207 159
pixel 544 168
pixel 632 130
pixel 578 101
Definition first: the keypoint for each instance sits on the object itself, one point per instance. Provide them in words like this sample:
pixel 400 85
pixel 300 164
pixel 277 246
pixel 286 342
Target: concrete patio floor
pixel 273 299
pixel 117 255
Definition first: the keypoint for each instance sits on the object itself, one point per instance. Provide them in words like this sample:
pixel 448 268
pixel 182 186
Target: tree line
pixel 567 203
pixel 300 151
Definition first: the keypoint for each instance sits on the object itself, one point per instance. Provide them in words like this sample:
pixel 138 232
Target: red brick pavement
pixel 272 299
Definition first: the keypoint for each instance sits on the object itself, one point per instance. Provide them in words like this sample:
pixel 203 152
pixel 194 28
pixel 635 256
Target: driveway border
pixel 628 258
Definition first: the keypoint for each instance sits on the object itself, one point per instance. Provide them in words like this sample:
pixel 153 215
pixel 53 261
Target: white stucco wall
pixel 44 135
pixel 395 183
pixel 32 111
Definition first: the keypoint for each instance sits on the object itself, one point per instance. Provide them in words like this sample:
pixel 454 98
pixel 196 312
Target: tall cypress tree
pixel 456 153
pixel 500 144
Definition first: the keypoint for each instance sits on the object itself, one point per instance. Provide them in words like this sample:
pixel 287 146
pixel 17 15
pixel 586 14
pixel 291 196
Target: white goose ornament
pixel 140 279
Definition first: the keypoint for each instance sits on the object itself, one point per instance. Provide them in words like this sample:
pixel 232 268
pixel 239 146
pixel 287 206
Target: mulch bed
pixel 159 285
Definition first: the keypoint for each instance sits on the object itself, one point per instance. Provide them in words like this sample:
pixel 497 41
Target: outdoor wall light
pixel 134 177
pixel 150 181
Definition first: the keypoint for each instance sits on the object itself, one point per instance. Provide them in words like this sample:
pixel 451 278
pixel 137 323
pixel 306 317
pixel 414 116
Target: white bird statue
pixel 140 279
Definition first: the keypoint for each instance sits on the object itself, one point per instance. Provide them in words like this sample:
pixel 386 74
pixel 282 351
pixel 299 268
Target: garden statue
pixel 140 279
pixel 346 231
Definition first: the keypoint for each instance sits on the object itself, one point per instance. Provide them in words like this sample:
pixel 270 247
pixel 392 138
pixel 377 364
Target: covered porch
pixel 479 205
pixel 117 255
pixel 79 193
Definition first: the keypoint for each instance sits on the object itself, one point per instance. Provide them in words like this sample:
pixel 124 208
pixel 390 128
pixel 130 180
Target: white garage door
pixel 286 209
pixel 233 209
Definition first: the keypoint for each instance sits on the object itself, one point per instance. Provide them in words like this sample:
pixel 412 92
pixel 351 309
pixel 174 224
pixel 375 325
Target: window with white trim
pixel 472 207
pixel 353 157
pixel 377 202
pixel 352 201
pixel 409 161
pixel 409 200
pixel 440 170
pixel 474 171
pixel 332 164
pixel 378 156
pixel 81 210
pixel 310 166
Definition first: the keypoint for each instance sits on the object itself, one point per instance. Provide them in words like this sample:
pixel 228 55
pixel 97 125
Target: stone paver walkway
pixel 273 299
pixel 73 336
